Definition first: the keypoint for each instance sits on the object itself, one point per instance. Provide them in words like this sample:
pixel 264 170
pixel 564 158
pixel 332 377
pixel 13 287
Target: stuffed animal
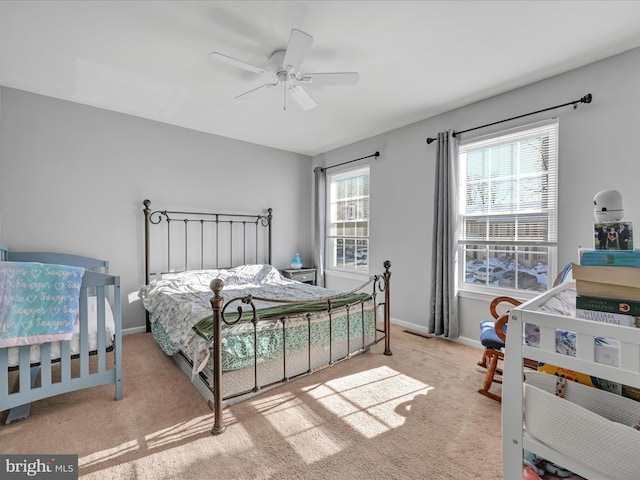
pixel 537 468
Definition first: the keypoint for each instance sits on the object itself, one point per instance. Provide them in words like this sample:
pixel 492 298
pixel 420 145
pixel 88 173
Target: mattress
pixel 179 302
pixel 74 343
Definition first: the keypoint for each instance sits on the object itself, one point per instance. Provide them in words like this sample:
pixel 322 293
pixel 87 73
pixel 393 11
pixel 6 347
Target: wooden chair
pixel 493 338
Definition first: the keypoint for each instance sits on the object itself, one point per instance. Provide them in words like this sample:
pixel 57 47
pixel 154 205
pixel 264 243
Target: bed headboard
pixel 177 241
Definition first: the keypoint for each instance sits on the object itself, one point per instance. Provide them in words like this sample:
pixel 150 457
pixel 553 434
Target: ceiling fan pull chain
pixel 285 93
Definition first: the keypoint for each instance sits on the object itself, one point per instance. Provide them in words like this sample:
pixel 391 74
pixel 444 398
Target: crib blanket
pixel 39 302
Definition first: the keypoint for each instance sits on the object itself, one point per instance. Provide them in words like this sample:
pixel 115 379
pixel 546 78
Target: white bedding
pixel 34 350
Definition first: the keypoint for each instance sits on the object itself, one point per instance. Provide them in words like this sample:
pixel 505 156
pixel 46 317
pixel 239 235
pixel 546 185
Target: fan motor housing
pixel 275 62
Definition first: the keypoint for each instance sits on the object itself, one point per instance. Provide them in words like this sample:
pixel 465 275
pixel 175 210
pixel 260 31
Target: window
pixel 348 220
pixel 507 209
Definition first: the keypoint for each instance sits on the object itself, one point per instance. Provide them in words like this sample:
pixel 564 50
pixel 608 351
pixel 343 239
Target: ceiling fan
pixel 284 69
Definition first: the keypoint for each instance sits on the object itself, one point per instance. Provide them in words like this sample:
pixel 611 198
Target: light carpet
pixel 413 415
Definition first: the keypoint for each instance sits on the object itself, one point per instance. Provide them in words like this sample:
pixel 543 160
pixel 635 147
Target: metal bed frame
pixel 235 239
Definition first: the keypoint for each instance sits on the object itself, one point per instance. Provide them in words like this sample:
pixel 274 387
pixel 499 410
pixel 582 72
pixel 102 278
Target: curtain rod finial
pixel 587 98
pixel 431 140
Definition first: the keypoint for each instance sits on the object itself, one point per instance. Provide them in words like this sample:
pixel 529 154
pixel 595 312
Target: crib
pixel 589 431
pixel 91 358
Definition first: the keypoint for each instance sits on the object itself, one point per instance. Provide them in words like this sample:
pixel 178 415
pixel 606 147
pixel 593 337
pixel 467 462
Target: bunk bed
pixel 90 353
pixel 233 323
pixel 581 428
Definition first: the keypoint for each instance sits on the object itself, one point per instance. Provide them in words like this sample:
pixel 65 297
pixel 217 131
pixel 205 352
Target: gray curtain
pixel 443 311
pixel 320 210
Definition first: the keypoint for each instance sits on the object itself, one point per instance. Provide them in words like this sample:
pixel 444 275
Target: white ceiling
pixel 415 58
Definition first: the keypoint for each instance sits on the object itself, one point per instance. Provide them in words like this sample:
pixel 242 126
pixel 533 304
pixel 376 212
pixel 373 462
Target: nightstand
pixel 304 275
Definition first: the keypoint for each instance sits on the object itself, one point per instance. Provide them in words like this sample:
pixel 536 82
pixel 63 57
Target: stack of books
pixel 608 286
pixel 608 290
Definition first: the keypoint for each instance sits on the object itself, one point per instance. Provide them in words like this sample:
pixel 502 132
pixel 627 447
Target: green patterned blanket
pixel 204 327
pixel 295 334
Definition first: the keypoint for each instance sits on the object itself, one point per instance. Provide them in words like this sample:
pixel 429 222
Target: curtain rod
pixel 586 99
pixel 377 154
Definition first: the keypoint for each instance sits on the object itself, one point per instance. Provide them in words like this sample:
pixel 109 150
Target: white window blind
pixel 348 220
pixel 508 207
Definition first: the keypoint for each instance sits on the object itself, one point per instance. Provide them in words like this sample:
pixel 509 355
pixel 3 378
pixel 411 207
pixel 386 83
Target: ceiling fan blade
pixel 338 78
pixel 266 85
pixel 302 98
pixel 237 63
pixel 297 49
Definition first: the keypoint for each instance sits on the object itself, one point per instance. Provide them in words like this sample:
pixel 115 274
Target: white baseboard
pixel 410 326
pixel 470 342
pixel 134 330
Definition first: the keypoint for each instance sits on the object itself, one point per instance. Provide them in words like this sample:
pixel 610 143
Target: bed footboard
pixel 98 361
pixel 379 284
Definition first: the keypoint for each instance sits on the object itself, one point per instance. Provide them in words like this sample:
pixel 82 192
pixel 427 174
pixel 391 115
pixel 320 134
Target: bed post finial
pixel 216 302
pixel 216 286
pixel 269 217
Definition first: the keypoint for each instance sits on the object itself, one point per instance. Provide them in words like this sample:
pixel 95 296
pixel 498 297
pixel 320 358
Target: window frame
pixel 330 260
pixel 519 247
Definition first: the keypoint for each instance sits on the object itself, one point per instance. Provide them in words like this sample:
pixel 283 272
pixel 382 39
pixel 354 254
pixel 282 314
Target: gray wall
pixel 73 178
pixel 595 154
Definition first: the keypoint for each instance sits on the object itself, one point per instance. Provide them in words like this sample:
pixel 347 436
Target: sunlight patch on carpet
pixel 175 436
pixel 177 433
pixel 297 422
pixel 108 454
pixel 372 402
pixel 276 402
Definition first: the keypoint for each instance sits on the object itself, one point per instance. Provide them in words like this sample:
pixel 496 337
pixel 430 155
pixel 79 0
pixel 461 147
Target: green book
pixel 626 307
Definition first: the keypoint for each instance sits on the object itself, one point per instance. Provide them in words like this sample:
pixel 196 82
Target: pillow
pixel 488 336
